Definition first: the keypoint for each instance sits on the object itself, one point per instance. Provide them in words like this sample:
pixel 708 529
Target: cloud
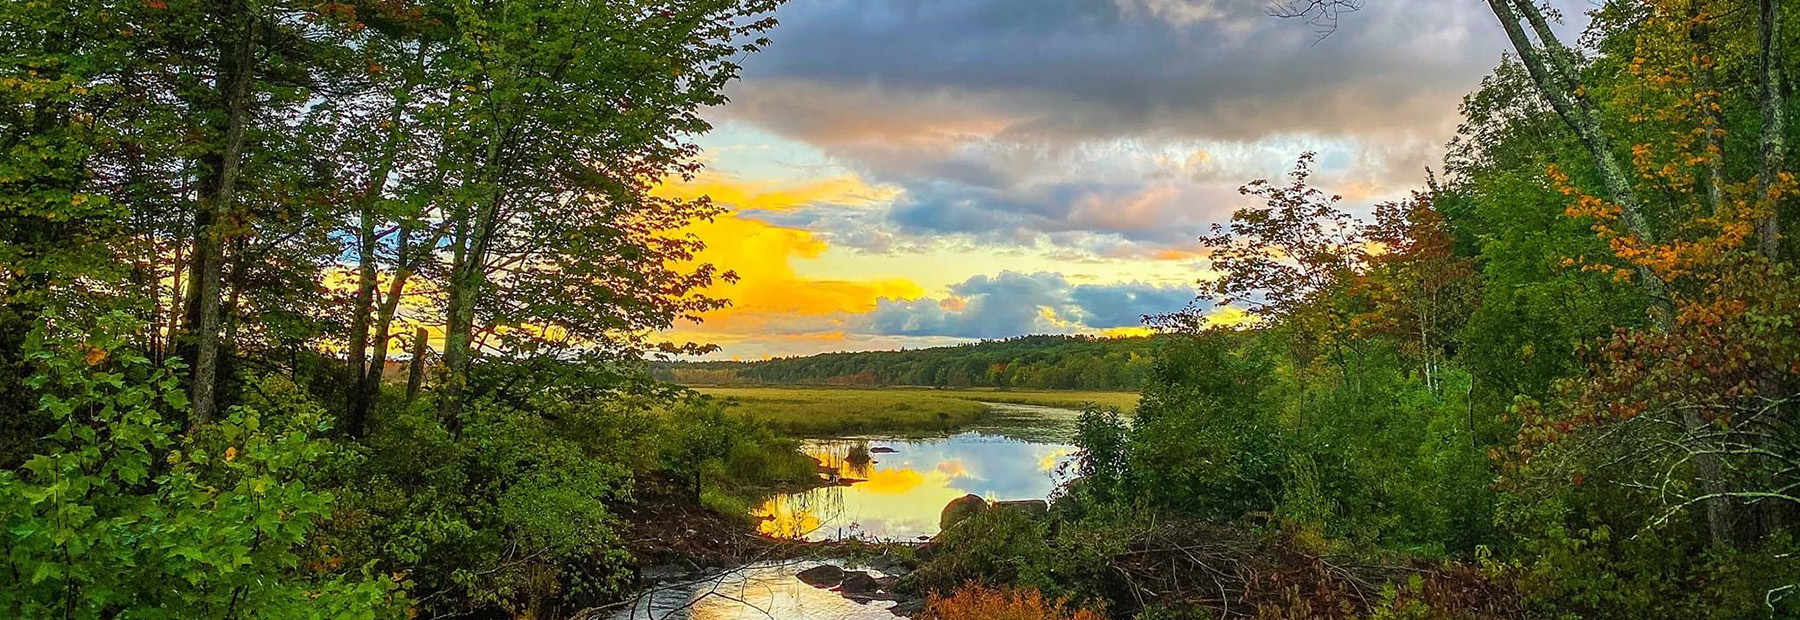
pixel 1123 305
pixel 779 194
pixel 1045 165
pixel 1013 303
pixel 770 299
pixel 1006 120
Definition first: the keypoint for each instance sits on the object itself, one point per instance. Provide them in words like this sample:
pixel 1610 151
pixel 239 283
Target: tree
pixel 554 240
pixel 1423 292
pixel 1287 262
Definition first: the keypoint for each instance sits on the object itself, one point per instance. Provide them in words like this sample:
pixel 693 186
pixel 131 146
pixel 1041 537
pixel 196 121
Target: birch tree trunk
pixel 1552 69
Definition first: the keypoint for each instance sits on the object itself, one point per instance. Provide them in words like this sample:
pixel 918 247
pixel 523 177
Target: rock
pixel 1032 507
pixel 822 576
pixel 961 509
pixel 857 582
pixel 908 608
pixel 882 450
pixel 889 564
pixel 925 552
pixel 886 584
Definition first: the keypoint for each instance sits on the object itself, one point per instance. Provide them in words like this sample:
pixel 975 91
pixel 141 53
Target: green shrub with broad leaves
pixel 120 517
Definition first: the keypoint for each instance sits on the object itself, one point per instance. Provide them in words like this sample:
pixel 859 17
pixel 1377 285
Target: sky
pixel 912 173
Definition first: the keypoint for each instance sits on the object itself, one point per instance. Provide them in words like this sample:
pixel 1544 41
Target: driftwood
pixel 1238 573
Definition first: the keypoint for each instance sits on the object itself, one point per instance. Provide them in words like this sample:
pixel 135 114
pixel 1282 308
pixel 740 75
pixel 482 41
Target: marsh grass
pixel 830 412
pixel 837 412
pixel 1126 402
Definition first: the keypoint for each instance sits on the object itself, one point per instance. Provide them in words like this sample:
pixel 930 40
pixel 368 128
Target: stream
pixel 1016 453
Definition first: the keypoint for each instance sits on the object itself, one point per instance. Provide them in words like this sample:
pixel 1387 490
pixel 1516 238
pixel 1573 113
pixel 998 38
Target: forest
pixel 357 309
pixel 1032 362
pixel 221 222
pixel 1559 381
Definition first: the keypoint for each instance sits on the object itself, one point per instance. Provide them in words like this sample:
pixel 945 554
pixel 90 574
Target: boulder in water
pixel 857 582
pixel 960 509
pixel 822 576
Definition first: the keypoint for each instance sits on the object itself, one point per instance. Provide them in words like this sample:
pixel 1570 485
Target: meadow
pixel 828 411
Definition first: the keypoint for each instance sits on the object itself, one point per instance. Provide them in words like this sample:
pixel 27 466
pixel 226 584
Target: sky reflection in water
pixel 904 491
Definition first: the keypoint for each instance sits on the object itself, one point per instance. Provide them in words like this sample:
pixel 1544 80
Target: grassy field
pixel 828 411
pixel 1072 399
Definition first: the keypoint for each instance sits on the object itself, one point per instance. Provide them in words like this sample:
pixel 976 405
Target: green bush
pixel 120 517
pixel 506 511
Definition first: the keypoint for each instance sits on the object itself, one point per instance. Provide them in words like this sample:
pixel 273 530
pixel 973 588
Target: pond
pixel 765 591
pixel 901 487
pixel 902 484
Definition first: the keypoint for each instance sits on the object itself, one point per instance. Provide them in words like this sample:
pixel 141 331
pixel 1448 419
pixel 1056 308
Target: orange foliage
pixel 977 602
pixel 1725 358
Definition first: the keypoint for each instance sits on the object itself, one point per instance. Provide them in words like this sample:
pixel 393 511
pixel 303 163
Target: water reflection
pixel 904 484
pixel 759 591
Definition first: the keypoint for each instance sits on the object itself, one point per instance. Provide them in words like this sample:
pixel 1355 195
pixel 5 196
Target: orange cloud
pixel 770 300
pixel 772 195
pixel 773 306
pixel 953 468
pixel 1230 316
pixel 1127 331
pixel 1179 254
pixel 892 481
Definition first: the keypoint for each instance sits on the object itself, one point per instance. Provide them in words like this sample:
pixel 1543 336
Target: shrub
pixel 976 602
pixel 120 517
pixel 1005 547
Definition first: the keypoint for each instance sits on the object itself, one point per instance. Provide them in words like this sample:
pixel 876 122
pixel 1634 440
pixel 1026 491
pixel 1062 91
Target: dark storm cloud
pixel 1219 68
pixel 1012 303
pixel 1009 120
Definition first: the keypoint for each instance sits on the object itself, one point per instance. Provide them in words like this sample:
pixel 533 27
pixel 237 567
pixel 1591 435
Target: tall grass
pixel 837 412
pixel 828 412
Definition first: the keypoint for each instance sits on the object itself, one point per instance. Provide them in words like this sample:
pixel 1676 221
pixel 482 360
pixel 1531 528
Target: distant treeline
pixel 1041 362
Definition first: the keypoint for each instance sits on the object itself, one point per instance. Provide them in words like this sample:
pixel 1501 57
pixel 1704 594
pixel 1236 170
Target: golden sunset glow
pixel 770 297
pixel 777 195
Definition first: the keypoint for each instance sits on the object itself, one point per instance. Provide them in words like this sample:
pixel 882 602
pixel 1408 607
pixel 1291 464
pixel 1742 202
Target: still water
pixel 904 484
pixel 767 591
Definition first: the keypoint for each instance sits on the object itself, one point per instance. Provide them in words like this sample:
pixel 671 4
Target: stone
pixel 822 576
pixel 925 552
pixel 1032 507
pixel 908 608
pixel 960 509
pixel 857 582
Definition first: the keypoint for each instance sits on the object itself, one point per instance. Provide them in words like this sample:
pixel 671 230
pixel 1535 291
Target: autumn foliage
pixel 978 602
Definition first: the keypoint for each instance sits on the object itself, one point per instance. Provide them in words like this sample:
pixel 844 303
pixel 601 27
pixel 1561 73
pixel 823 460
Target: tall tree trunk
pixel 415 375
pixel 356 357
pixel 357 404
pixel 1772 517
pixel 468 271
pixel 369 384
pixel 1712 115
pixel 1774 129
pixel 459 315
pixel 214 220
pixel 1552 69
